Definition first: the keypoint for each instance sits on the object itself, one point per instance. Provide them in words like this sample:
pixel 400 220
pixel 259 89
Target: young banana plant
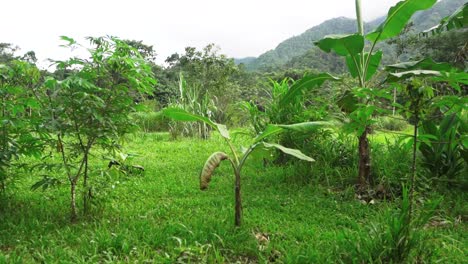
pixel 236 159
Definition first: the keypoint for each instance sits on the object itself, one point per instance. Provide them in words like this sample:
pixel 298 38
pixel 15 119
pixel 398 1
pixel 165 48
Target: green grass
pixel 163 217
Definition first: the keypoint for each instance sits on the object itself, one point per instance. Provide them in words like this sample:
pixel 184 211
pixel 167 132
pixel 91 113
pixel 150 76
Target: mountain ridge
pixel 299 45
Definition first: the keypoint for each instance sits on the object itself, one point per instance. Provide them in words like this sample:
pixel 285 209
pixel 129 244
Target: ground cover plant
pixel 163 217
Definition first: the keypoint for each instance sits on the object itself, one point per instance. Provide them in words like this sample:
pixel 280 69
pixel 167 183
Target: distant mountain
pixel 246 60
pixel 429 18
pixel 300 52
pixel 299 45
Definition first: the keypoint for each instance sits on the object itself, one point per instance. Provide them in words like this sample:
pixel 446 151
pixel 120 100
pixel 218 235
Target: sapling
pixel 90 107
pixel 237 159
pixel 415 81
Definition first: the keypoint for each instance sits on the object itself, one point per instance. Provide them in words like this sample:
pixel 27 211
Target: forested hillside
pixel 300 52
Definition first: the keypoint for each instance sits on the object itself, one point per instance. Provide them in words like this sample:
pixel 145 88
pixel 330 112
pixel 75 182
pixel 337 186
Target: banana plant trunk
pixel 238 202
pixel 364 159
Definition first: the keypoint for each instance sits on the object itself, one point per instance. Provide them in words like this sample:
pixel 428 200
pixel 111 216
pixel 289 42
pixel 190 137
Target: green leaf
pixel 306 82
pixel 32 103
pixel 179 114
pixel 293 152
pixel 184 116
pixel 459 19
pixel 424 64
pixel 394 77
pixel 342 45
pixel 70 41
pixel 222 129
pixel 397 18
pixel 269 131
pixel 306 127
pixel 373 64
pixel 348 103
pixel 454 79
pixel 50 83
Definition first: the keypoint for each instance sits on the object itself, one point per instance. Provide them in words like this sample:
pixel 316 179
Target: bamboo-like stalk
pixel 359 17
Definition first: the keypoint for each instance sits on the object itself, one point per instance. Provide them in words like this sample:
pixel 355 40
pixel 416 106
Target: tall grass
pixel 193 100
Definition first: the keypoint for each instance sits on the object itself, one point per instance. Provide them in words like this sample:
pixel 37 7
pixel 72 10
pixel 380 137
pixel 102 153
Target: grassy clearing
pixel 162 217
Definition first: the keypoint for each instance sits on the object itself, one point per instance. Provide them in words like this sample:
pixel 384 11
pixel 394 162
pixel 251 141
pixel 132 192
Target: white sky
pixel 240 28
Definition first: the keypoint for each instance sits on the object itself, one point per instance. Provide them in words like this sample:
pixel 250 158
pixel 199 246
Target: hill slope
pixel 292 52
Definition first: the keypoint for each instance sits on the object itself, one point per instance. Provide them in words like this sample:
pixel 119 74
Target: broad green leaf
pixel 269 131
pixel 454 79
pixel 293 152
pixel 459 19
pixel 222 129
pixel 397 18
pixel 32 103
pixel 262 153
pixel 424 64
pixel 306 82
pixel 50 82
pixel 342 45
pixel 184 116
pixel 305 127
pixel 373 64
pixel 394 77
pixel 348 102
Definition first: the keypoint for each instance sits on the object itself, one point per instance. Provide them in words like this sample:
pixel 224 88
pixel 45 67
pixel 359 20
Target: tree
pixel 90 106
pixel 210 72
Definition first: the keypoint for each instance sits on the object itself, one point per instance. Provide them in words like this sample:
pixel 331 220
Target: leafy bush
pixel 19 116
pixel 442 150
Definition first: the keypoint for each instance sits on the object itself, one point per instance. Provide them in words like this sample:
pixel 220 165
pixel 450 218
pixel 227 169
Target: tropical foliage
pixel 365 163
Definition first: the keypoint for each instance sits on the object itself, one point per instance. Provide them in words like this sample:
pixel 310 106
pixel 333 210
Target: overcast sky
pixel 240 28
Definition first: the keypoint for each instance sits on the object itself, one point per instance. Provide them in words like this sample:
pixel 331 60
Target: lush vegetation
pixel 101 159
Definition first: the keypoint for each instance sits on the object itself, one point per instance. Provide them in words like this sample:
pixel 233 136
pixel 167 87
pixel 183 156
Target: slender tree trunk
pixel 364 159
pixel 238 205
pixel 85 186
pixel 4 146
pixel 413 165
pixel 73 215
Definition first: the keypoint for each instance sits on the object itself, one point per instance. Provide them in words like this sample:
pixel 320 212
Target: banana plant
pixel 457 20
pixel 237 159
pixel 363 65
